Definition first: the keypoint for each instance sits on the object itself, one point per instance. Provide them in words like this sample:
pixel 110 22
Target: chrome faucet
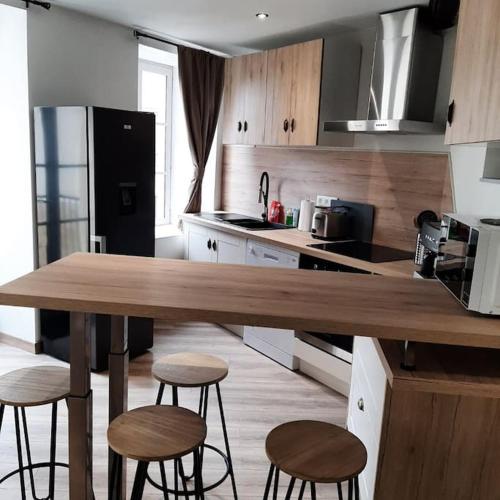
pixel 264 193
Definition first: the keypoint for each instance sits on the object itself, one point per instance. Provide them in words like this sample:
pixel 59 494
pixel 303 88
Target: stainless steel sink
pixel 250 223
pixel 256 224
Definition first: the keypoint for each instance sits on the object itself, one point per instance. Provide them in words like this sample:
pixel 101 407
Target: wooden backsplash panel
pixel 399 185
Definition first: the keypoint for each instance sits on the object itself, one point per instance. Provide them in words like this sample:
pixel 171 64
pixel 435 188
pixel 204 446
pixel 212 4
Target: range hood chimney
pixel 405 75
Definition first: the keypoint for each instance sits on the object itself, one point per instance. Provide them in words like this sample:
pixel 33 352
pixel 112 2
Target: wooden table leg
pixel 80 409
pixel 118 387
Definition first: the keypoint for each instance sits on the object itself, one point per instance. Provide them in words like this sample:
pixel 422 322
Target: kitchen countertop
pixel 297 241
pixel 352 304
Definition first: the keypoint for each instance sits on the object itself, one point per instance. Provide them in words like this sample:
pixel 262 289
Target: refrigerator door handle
pixel 101 240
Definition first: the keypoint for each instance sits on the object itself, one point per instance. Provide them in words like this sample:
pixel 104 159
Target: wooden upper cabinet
pixel 475 90
pixel 245 99
pixel 273 97
pixel 280 65
pixel 306 84
pixel 234 101
pixel 293 94
pixel 254 118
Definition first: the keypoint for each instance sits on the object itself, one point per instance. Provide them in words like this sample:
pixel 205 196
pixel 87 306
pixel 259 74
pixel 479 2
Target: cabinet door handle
pixel 239 126
pixel 214 246
pixel 209 244
pixel 361 404
pixel 451 112
pixel 245 126
pixel 285 125
pixel 292 125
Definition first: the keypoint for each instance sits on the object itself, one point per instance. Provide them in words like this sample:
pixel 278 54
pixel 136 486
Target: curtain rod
pixel 140 34
pixel 45 5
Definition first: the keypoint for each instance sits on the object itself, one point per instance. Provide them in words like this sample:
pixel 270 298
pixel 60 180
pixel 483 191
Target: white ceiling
pixel 230 25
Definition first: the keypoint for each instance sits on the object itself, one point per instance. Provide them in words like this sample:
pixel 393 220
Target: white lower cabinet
pixel 198 243
pixel 366 407
pixel 275 343
pixel 209 245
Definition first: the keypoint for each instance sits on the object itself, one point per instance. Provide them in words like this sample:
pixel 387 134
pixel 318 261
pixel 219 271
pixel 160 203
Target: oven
pixel 332 343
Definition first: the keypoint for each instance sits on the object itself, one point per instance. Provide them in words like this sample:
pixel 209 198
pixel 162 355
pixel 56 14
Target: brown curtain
pixel 201 77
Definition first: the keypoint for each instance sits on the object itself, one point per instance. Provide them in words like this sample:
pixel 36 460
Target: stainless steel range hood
pixel 405 75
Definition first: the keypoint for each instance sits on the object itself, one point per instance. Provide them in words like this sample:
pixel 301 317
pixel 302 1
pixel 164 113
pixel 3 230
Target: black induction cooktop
pixel 363 250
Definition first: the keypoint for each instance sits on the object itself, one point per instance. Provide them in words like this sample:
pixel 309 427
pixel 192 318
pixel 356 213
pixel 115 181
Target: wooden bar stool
pixel 156 434
pixel 314 452
pixel 187 369
pixel 27 387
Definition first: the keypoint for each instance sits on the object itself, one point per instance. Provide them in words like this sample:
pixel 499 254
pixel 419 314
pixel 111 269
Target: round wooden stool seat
pixel 189 369
pixel 156 433
pixel 316 451
pixel 34 386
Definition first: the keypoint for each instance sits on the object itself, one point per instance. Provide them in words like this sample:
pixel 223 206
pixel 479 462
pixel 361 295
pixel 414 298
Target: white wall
pixel 74 59
pixel 66 58
pixel 472 195
pixel 16 223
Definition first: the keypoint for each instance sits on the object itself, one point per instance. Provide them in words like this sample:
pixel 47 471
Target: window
pixel 160 92
pixel 155 95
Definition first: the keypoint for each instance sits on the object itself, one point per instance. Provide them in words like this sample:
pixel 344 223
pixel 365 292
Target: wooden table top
pixel 354 304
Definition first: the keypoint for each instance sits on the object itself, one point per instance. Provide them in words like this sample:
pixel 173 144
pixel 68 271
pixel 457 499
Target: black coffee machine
pixel 428 241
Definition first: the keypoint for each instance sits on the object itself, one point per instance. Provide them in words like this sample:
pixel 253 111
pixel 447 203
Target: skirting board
pixel 35 348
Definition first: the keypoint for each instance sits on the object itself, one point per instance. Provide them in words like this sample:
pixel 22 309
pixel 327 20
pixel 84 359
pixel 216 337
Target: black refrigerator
pixel 95 192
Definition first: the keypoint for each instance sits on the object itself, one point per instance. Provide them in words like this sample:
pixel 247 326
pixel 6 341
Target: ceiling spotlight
pixel 262 15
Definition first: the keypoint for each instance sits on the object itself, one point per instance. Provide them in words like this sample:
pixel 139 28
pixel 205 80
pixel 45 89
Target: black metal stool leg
pixel 226 440
pixel 268 482
pixel 115 476
pixel 198 476
pixel 2 409
pixel 139 481
pixel 276 483
pixel 53 441
pixel 356 488
pixel 52 460
pixel 290 489
pixel 201 406
pixel 204 416
pixel 340 493
pixel 349 491
pixel 176 479
pixel 183 479
pixel 28 453
pixel 302 489
pixel 19 454
pixel 159 397
pixel 164 482
pixel 313 490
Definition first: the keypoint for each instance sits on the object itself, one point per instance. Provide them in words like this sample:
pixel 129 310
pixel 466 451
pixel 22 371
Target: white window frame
pixel 168 72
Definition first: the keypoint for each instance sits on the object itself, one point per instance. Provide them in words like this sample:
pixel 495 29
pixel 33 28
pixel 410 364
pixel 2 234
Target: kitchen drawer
pixel 273 343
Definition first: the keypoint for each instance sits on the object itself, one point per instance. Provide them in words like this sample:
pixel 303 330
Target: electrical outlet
pixel 324 201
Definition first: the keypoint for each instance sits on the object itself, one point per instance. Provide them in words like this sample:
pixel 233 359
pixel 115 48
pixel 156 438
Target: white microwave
pixel 468 263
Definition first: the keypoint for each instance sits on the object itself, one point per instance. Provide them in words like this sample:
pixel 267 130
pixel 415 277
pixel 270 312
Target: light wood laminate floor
pixel 258 394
